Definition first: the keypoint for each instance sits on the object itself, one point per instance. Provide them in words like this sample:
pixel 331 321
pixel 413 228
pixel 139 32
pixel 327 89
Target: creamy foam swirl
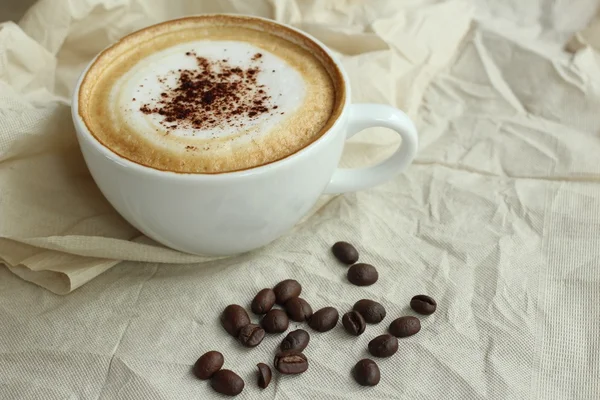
pixel 141 88
pixel 209 95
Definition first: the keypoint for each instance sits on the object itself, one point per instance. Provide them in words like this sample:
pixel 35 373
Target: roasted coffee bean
pixel 366 372
pixel 290 362
pixel 208 364
pixel 423 304
pixel 354 323
pixel 264 375
pixel 251 335
pixel 345 252
pixel 405 326
pixel 263 301
pixel 287 289
pixel 234 318
pixel 298 309
pixel 372 311
pixel 295 340
pixel 227 382
pixel 362 274
pixel 275 321
pixel 323 320
pixel 383 346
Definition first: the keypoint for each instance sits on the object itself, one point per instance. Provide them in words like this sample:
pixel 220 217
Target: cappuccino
pixel 211 94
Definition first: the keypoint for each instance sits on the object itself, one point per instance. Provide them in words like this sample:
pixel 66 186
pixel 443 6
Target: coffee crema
pixel 211 94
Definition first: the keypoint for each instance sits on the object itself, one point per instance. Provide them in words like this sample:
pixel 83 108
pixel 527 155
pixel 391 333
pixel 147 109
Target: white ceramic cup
pixel 234 212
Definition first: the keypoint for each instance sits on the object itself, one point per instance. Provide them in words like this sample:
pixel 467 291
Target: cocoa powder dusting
pixel 211 95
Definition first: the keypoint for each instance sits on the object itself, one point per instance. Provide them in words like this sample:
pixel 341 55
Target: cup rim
pixel 84 133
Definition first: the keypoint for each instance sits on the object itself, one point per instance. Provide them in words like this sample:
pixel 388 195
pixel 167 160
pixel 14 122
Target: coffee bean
pixel 298 309
pixel 372 311
pixel 291 362
pixel 287 289
pixel 405 326
pixel 251 335
pixel 227 382
pixel 383 346
pixel 423 304
pixel 295 340
pixel 208 364
pixel 234 318
pixel 275 321
pixel 323 320
pixel 354 323
pixel 345 252
pixel 263 301
pixel 362 274
pixel 366 372
pixel 264 375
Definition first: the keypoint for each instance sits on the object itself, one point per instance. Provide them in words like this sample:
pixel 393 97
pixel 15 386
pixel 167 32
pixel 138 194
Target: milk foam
pixel 140 86
pixel 249 93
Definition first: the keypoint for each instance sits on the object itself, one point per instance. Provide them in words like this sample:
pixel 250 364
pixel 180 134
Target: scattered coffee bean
pixel 275 321
pixel 362 274
pixel 264 375
pixel 208 364
pixel 366 372
pixel 423 304
pixel 227 382
pixel 354 323
pixel 234 318
pixel 405 326
pixel 251 335
pixel 298 309
pixel 323 320
pixel 263 301
pixel 287 289
pixel 295 340
pixel 383 346
pixel 372 311
pixel 291 362
pixel 345 252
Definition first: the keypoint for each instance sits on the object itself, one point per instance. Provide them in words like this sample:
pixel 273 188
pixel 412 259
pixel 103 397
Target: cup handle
pixel 363 116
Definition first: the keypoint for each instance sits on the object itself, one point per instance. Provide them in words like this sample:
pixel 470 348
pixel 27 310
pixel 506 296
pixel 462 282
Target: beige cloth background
pixel 498 217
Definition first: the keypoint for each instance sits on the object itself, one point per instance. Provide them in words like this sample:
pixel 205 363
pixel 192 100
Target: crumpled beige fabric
pixel 56 229
pixel 498 219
